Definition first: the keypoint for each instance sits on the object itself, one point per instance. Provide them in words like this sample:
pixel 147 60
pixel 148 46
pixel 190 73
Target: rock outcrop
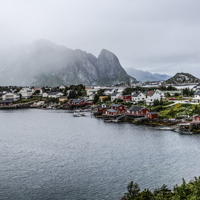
pixel 182 78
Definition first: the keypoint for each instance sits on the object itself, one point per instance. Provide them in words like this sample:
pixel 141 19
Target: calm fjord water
pixel 53 155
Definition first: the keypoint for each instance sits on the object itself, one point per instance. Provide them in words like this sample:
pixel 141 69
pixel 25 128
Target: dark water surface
pixel 53 155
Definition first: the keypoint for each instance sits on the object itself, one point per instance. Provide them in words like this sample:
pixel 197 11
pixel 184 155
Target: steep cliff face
pixel 182 78
pixel 44 63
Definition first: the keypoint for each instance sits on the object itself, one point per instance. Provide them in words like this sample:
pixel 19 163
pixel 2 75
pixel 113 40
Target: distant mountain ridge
pixel 44 63
pixel 182 78
pixel 144 76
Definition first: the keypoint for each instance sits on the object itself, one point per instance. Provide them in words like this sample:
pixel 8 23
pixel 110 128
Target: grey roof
pixel 16 94
pixel 63 97
pixel 114 94
pixel 72 99
pixel 196 115
pixel 135 94
pixel 111 110
pixel 153 113
pixel 6 101
pixel 197 93
pixel 127 95
pixel 77 101
pixel 115 105
pixel 100 106
pixel 12 93
pixel 136 108
pixel 109 90
pixel 53 93
pixel 146 92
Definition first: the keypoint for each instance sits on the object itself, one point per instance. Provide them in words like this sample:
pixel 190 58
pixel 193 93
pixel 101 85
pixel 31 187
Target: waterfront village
pixel 166 106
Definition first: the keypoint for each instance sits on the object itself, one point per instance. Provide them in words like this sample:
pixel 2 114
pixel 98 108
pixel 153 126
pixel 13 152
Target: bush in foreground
pixel 186 191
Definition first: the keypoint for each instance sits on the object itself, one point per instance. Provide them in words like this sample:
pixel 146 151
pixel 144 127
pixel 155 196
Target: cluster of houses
pixel 114 93
pixel 79 102
pixel 117 110
pixel 25 93
pixel 134 97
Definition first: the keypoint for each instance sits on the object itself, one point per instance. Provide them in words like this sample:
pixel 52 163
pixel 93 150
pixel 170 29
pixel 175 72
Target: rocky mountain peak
pixel 45 63
pixel 182 78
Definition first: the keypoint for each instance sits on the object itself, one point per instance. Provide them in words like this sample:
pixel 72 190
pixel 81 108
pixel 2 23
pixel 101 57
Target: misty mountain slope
pixel 45 63
pixel 146 76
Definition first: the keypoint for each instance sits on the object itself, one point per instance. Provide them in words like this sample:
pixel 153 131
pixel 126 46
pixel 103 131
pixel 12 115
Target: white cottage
pixel 138 96
pixel 154 95
pixel 11 96
pixel 196 98
pixel 114 96
pixel 55 94
pixel 26 93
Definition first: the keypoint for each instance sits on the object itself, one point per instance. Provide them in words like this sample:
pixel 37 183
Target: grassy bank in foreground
pixel 186 191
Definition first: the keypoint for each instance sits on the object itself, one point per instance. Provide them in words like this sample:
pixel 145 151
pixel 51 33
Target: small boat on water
pixel 165 128
pixel 115 120
pixel 78 113
pixel 107 120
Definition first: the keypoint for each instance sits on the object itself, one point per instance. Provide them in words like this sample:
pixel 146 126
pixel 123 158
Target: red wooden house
pixel 138 111
pixel 6 103
pixel 89 103
pixel 120 108
pixel 76 102
pixel 196 119
pixel 152 115
pixel 115 109
pixel 70 100
pixel 101 108
pixel 127 98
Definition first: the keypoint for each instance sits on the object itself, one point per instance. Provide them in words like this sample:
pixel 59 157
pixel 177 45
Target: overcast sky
pixel 154 35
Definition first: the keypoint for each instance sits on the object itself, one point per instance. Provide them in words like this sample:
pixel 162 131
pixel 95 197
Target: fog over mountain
pixel 144 76
pixel 45 63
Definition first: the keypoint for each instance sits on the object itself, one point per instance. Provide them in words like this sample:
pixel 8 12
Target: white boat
pixel 77 113
pixel 49 107
pixel 115 120
pixel 165 128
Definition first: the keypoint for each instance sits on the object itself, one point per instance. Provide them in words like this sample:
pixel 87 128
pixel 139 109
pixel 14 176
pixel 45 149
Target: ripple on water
pixel 46 156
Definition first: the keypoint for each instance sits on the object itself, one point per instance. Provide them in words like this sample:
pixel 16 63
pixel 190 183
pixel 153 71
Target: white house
pixel 26 93
pixel 109 91
pixel 11 96
pixel 38 89
pixel 91 97
pixel 115 96
pixel 196 98
pixel 62 87
pixel 45 94
pixel 55 94
pixel 121 89
pixel 138 96
pixel 91 91
pixel 154 95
